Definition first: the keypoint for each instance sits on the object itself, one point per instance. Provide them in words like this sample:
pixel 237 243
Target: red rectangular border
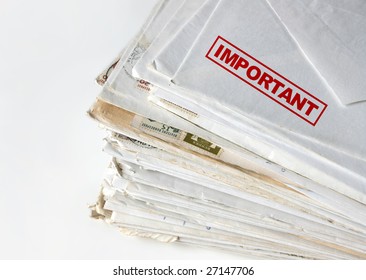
pixel 287 80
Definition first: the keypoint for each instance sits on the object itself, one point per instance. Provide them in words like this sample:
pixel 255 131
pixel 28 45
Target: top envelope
pixel 247 61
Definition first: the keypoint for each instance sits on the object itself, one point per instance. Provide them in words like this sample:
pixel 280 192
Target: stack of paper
pixel 241 125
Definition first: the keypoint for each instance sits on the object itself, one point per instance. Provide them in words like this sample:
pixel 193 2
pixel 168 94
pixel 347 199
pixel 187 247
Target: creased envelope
pixel 311 118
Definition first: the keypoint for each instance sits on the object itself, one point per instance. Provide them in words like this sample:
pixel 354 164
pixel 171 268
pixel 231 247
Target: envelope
pixel 197 160
pixel 135 100
pixel 155 22
pixel 174 214
pixel 340 155
pixel 158 180
pixel 146 158
pixel 162 59
pixel 112 117
pixel 122 121
pixel 180 218
pixel 142 217
pixel 164 54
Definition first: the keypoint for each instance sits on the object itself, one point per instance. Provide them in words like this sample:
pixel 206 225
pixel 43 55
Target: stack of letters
pixel 240 125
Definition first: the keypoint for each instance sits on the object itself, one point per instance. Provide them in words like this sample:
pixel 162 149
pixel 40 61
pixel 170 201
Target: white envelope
pixel 151 158
pixel 320 126
pixel 154 133
pixel 109 207
pixel 183 211
pixel 127 212
pixel 134 100
pixel 229 207
pixel 162 55
pixel 131 199
pixel 197 192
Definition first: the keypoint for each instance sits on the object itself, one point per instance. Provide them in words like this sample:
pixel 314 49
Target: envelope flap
pixel 333 41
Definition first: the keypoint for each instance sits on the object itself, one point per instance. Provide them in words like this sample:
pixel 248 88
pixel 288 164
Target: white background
pixel 51 161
